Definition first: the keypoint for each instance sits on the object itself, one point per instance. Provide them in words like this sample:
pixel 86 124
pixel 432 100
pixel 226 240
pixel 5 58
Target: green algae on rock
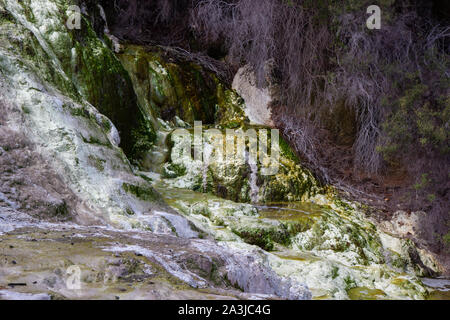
pixel 177 93
pixel 234 178
pixel 87 68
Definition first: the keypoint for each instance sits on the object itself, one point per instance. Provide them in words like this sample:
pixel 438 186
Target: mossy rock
pixel 173 170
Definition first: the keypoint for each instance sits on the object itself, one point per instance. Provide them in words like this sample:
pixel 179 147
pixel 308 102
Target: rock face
pixel 414 225
pixel 175 94
pixel 46 109
pixel 236 178
pixel 158 266
pixel 257 100
pixel 85 141
pixel 28 181
pixel 47 102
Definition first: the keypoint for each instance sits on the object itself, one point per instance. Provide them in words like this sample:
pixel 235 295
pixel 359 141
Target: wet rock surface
pixel 258 101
